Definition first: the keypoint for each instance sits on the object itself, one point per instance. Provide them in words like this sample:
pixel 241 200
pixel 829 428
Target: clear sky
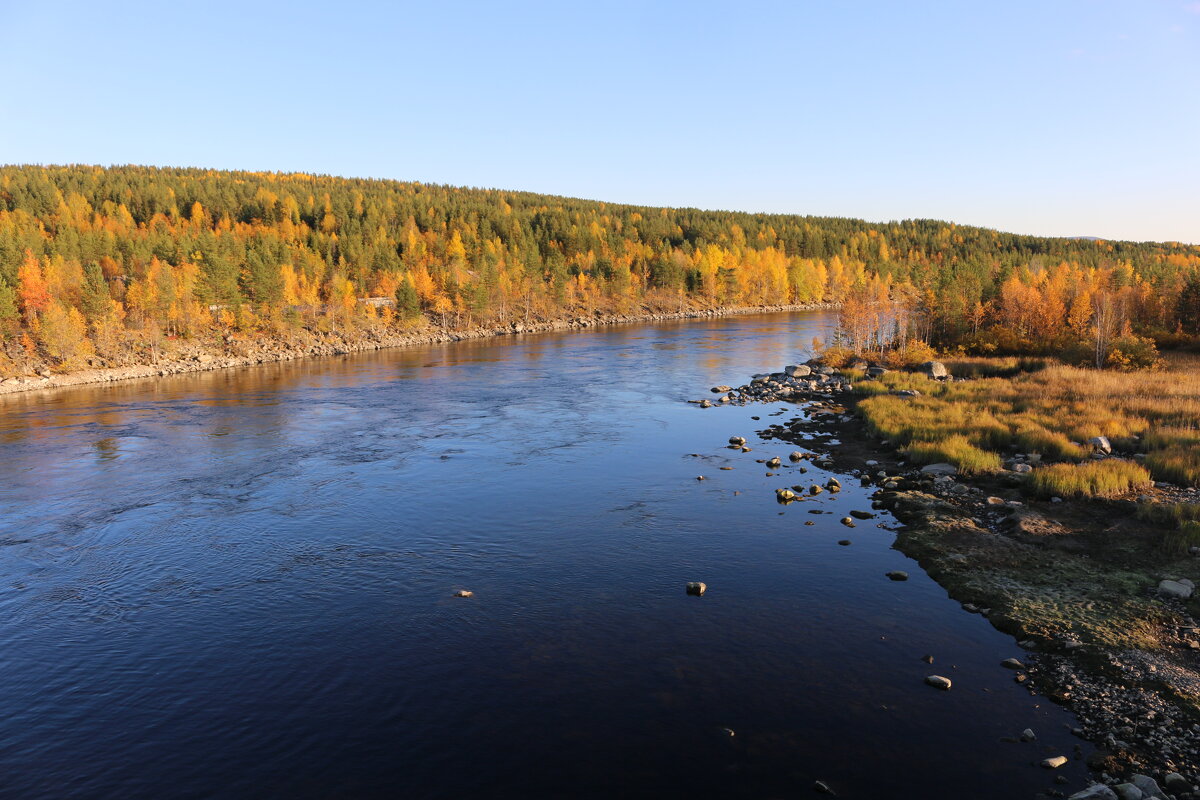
pixel 1056 117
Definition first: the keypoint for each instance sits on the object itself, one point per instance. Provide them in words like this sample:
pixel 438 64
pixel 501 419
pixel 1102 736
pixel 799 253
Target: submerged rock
pixel 463 593
pixel 897 575
pixel 938 682
pixel 1054 762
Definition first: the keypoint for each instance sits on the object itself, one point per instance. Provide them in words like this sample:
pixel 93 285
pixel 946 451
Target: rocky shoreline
pixel 230 351
pixel 1102 639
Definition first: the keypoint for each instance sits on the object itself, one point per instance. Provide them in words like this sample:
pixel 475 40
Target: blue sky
pixel 1055 117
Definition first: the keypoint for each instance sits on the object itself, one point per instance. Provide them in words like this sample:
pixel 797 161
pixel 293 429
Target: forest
pixel 103 266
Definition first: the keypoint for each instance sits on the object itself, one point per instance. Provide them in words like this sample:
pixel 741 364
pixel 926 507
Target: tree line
pixel 106 264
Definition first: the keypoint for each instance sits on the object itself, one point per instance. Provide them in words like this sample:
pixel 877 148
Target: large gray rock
pixel 939 469
pixel 798 370
pixel 1101 444
pixel 1095 792
pixel 1176 783
pixel 935 369
pixel 876 372
pixel 1148 785
pixel 1174 589
pixel 1127 791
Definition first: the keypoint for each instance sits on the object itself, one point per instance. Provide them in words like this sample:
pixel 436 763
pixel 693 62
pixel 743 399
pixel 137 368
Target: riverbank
pixel 1078 582
pixel 231 351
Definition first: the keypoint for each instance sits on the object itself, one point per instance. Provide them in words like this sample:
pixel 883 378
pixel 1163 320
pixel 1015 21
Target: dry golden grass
pixel 1052 411
pixel 956 450
pixel 1108 478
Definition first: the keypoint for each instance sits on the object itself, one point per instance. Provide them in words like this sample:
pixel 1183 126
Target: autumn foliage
pixel 104 265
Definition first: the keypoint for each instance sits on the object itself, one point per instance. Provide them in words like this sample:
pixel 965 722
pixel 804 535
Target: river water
pixel 240 584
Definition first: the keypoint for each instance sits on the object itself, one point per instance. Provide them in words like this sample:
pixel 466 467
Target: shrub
pixel 1132 352
pixel 1107 478
pixel 836 356
pixel 913 354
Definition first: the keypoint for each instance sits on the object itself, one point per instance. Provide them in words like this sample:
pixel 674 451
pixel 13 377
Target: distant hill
pixel 103 263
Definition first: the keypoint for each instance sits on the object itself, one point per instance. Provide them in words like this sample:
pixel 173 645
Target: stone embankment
pixel 1112 640
pixel 235 351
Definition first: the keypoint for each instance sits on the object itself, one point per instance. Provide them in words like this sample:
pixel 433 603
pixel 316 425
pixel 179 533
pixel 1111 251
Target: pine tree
pixel 408 303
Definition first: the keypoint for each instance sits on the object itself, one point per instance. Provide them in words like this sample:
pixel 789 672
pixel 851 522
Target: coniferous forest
pixel 103 266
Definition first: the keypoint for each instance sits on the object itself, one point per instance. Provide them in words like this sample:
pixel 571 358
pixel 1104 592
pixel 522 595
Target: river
pixel 241 583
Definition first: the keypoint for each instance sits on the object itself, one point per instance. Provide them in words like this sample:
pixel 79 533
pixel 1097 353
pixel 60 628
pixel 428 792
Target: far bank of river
pixel 202 355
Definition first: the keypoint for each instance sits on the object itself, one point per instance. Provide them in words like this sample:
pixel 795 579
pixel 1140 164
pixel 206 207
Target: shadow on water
pixel 233 582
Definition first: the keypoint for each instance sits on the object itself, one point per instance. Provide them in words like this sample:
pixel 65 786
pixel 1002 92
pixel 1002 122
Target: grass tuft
pixel 1108 478
pixel 956 450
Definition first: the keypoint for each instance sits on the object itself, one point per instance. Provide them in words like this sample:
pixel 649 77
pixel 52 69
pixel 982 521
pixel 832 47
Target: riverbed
pixel 242 583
